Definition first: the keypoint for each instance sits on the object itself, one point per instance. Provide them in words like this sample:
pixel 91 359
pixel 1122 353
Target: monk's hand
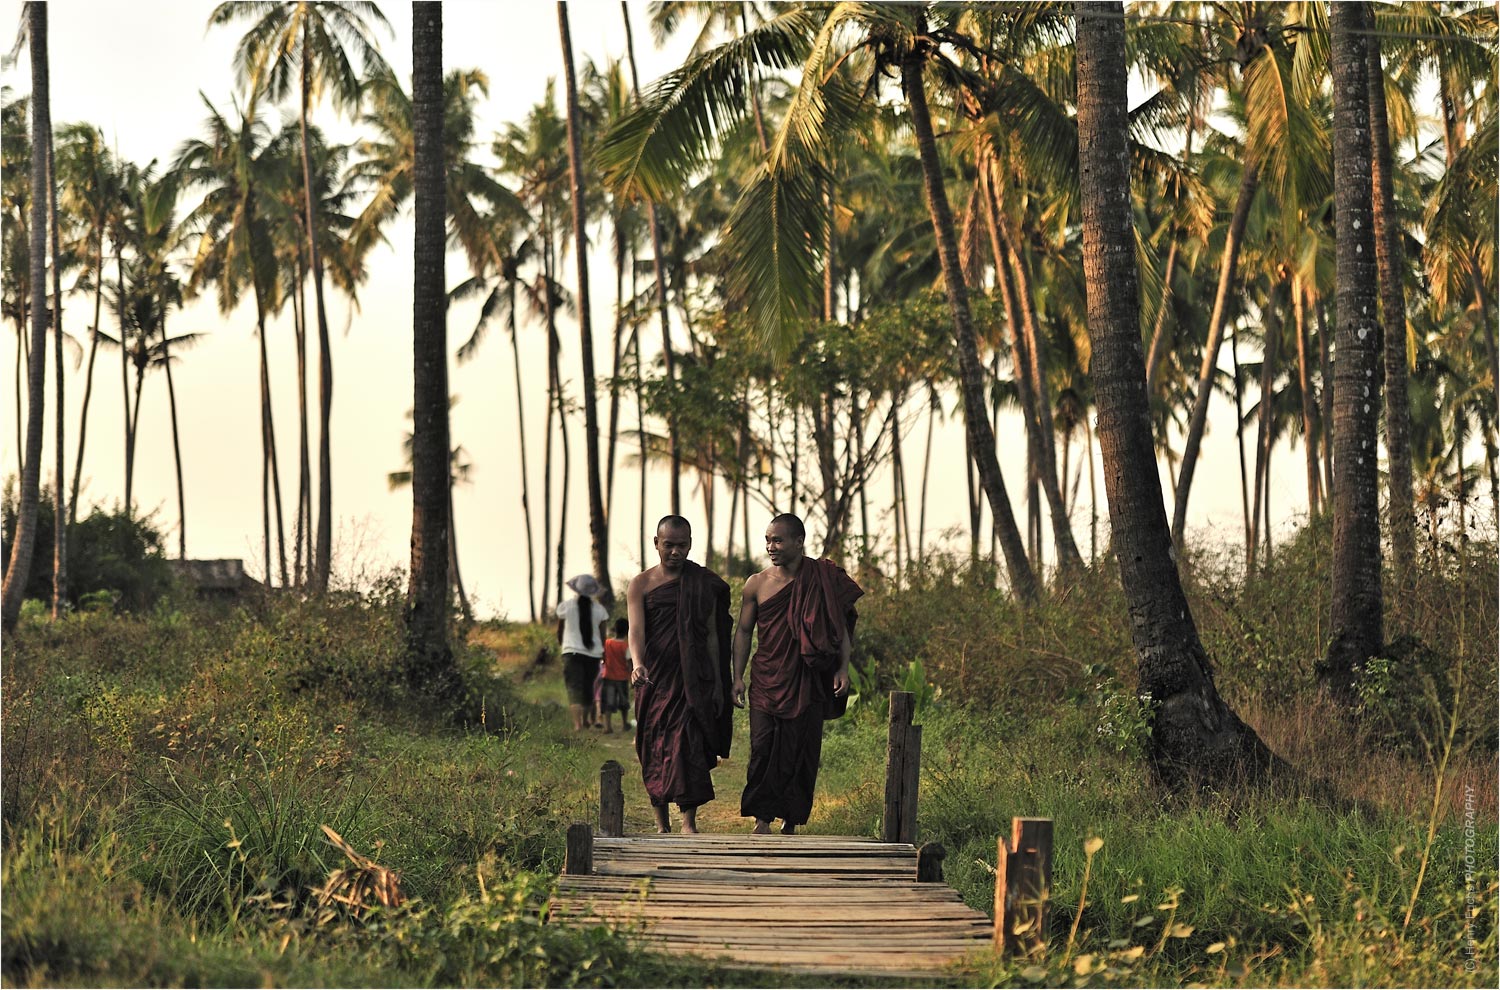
pixel 638 676
pixel 739 693
pixel 841 682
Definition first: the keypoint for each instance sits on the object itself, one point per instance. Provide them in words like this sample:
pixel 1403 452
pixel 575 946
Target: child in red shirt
pixel 614 694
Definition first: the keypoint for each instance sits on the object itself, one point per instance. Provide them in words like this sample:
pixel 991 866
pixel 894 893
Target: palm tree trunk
pixel 59 481
pixel 547 432
pixel 515 352
pixel 455 576
pixel 1272 332
pixel 981 437
pixel 560 561
pixel 1357 619
pixel 1304 381
pixel 1239 442
pixel 1194 734
pixel 1158 332
pixel 323 554
pixel 661 293
pixel 88 375
pixel 129 419
pixel 1068 558
pixel 897 515
pixel 302 561
pixel 166 363
pixel 23 543
pixel 270 419
pixel 932 408
pixel 1199 420
pixel 640 432
pixel 598 526
pixel 1088 432
pixel 267 462
pixel 1389 257
pixel 21 373
pixel 1325 373
pixel 429 659
pixel 974 500
pixel 618 346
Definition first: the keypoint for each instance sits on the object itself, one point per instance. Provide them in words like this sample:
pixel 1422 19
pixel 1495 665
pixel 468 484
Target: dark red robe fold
pixel 800 630
pixel 684 710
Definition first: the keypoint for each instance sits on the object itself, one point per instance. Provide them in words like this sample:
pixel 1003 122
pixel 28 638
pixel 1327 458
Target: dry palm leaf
pixel 359 888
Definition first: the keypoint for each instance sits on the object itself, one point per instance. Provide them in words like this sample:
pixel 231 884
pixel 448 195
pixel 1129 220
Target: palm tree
pixel 309 44
pixel 1284 146
pixel 459 470
pixel 59 491
pixel 778 270
pixel 429 658
pixel 502 300
pixel 1390 258
pixel 598 528
pixel 23 542
pixel 15 262
pixel 659 270
pixel 1194 734
pixel 1357 620
pixel 532 153
pixel 236 252
pixel 89 191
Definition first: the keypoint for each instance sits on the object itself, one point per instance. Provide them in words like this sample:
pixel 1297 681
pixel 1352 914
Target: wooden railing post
pixel 898 742
pixel 1023 886
pixel 579 858
pixel 611 799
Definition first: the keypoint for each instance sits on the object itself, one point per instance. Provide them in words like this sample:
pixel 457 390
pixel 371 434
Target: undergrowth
pixel 165 777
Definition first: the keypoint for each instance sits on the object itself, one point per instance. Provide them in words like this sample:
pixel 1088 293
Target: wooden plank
pixel 912 913
pixel 745 900
pixel 689 880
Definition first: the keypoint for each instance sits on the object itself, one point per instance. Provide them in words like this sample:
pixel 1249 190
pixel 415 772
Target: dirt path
pixel 512 650
pixel 720 815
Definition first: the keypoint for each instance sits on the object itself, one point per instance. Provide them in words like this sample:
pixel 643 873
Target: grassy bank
pixel 165 777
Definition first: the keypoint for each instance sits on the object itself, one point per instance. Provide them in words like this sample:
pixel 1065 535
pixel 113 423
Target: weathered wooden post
pixel 930 862
pixel 1023 886
pixel 579 858
pixel 611 799
pixel 901 769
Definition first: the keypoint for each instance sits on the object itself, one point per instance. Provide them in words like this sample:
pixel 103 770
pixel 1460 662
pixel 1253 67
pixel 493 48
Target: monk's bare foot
pixel 761 828
pixel 787 828
pixel 689 829
pixel 663 823
pixel 690 821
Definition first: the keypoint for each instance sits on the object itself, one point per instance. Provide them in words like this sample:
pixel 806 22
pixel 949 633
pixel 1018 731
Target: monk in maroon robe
pixel 679 642
pixel 803 612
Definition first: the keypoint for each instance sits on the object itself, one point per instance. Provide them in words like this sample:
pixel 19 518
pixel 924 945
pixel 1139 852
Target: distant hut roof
pixel 214 575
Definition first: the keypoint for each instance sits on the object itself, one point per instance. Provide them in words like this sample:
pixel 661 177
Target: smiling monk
pixel 803 610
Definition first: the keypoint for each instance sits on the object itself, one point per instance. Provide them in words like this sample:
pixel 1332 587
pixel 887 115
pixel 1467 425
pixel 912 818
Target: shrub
pixel 113 557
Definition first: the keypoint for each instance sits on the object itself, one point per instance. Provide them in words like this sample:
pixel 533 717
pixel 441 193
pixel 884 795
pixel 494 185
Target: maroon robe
pixel 684 710
pixel 800 630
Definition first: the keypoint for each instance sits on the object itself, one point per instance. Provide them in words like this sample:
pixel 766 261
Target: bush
pixel 114 559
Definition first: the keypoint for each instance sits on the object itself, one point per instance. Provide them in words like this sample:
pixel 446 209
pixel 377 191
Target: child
pixel 614 694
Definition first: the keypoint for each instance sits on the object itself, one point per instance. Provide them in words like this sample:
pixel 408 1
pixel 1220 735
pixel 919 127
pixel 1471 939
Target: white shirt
pixel 572 641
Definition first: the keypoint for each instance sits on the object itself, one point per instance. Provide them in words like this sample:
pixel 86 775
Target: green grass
pixel 164 778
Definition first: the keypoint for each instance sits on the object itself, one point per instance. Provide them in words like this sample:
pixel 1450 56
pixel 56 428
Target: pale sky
pixel 135 70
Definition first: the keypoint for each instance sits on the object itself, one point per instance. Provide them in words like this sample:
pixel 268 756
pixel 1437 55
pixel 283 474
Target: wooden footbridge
pixel 814 903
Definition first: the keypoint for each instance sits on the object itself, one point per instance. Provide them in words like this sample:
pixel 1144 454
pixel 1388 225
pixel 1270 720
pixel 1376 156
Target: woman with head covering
pixel 580 630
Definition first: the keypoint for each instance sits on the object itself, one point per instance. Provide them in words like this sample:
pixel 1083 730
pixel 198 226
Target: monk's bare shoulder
pixel 640 584
pixel 753 585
